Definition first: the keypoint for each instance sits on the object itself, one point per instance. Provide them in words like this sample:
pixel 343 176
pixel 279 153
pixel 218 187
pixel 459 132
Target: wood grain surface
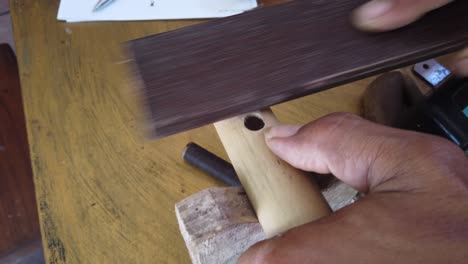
pixel 218 224
pixel 105 193
pixel 209 72
pixel 233 225
pixel 19 223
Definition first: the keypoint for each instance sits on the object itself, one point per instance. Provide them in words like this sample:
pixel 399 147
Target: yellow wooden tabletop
pixel 105 193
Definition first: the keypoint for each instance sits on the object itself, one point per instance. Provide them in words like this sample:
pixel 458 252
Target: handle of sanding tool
pixel 283 197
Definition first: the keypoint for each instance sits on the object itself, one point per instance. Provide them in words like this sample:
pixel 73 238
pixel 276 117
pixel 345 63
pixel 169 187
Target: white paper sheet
pixel 82 10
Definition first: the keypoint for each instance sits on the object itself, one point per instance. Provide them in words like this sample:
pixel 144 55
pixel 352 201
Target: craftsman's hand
pixel 415 210
pixel 382 15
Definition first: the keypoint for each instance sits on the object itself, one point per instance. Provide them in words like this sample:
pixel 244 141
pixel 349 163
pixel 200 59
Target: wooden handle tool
pixel 283 197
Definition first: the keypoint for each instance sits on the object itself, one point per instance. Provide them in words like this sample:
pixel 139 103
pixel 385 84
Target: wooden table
pixel 105 193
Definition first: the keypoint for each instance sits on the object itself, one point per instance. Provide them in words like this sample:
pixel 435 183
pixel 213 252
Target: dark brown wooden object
pixel 208 72
pixel 19 223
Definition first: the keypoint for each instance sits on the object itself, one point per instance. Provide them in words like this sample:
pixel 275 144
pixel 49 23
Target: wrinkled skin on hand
pixel 416 208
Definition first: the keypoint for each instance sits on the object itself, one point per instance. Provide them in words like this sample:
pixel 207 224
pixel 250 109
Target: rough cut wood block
pixel 219 224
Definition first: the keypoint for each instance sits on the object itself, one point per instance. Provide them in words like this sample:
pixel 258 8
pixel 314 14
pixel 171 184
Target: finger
pixel 383 15
pixel 282 131
pixel 461 63
pixel 360 153
pixel 320 147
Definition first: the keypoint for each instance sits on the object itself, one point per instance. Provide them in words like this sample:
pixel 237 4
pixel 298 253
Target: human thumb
pixel 365 155
pixel 316 147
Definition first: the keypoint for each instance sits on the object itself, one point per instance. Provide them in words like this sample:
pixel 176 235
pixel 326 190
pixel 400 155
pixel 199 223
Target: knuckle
pixel 332 122
pixel 340 116
pixel 438 149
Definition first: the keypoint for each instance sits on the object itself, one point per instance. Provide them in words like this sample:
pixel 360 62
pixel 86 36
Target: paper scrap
pixel 129 10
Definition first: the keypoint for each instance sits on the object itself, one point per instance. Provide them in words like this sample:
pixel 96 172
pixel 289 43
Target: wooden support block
pixel 219 224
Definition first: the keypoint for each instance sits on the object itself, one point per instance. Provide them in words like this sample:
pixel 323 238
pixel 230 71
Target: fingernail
pixel 373 9
pixel 281 131
pixel 461 67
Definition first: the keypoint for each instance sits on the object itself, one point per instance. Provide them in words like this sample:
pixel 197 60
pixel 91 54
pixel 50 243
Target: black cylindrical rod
pixel 211 164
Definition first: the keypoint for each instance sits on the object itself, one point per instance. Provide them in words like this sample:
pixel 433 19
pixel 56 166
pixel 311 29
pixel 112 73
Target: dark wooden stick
pixel 208 72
